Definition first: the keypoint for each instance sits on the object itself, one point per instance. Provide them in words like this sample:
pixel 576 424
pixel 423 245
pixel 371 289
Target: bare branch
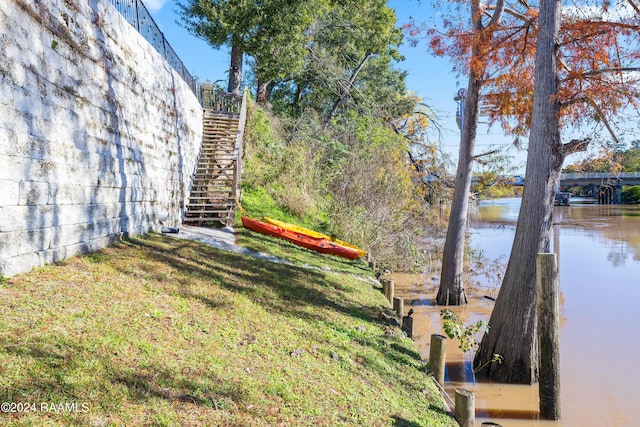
pixel 570 102
pixel 500 9
pixel 604 119
pixel 584 37
pixel 634 6
pixel 352 79
pixel 610 70
pixel 575 146
pixel 516 14
pixel 488 153
pixel 497 14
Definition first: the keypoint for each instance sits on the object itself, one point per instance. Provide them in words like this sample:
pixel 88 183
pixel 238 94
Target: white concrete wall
pixel 98 135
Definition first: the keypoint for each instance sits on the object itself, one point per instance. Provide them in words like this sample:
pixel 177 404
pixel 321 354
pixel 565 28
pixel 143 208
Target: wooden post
pixel 407 325
pixel 398 306
pixel 391 288
pixel 437 356
pixel 548 313
pixel 465 408
pixel 385 286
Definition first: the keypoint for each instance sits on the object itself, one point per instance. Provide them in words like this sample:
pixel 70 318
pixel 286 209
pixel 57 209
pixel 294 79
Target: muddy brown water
pixel 598 250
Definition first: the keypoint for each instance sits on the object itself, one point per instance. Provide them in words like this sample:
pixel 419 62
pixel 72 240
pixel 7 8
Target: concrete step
pixel 217 156
pixel 205 207
pixel 207 213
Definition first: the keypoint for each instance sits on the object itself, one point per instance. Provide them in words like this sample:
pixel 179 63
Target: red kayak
pixel 315 244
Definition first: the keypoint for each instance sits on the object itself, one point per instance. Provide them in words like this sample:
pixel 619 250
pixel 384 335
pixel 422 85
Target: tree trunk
pixel 451 290
pixel 235 69
pixel 261 92
pixel 512 327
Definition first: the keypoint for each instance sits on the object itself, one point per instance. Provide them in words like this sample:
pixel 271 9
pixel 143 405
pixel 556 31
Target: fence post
pixel 437 357
pixel 398 306
pixel 138 16
pixel 407 325
pixel 465 408
pixel 548 315
pixel 383 282
pixel 391 286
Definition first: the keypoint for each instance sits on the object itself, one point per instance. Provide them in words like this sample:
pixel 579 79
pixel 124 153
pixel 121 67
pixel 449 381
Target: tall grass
pixel 351 179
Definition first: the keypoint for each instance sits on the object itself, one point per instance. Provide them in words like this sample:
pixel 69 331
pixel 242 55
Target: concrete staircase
pixel 213 194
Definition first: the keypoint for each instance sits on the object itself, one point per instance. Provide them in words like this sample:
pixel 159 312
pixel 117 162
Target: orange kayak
pixel 312 233
pixel 320 245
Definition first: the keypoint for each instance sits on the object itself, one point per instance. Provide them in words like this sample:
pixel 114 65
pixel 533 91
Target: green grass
pixel 157 331
pixel 258 203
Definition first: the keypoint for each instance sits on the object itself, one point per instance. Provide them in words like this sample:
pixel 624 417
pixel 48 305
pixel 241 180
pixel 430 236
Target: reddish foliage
pixel 597 60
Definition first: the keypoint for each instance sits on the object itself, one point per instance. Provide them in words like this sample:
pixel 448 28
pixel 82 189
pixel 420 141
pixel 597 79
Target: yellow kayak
pixel 311 233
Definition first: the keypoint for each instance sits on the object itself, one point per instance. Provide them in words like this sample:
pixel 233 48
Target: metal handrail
pixel 237 153
pixel 212 98
pixel 136 13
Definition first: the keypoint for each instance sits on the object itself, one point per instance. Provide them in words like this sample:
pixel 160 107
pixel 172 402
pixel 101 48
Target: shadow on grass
pixel 295 287
pixel 163 385
pixel 401 422
pixel 58 363
pixel 413 355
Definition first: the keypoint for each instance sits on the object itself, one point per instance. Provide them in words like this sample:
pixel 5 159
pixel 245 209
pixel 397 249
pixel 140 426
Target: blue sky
pixel 429 77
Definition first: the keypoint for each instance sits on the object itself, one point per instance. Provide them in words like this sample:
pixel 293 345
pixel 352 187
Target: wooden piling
pixel 391 287
pixel 437 356
pixel 548 317
pixel 383 282
pixel 398 306
pixel 465 408
pixel 407 325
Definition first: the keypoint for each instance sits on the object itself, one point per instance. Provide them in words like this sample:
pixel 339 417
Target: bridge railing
pixel 599 175
pixel 135 12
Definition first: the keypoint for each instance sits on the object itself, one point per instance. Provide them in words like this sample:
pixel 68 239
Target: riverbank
pixel 162 331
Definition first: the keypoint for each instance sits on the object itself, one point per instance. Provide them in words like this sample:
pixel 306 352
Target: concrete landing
pixel 220 238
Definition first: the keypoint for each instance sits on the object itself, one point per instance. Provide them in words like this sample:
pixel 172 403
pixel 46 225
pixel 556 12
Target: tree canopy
pixel 325 54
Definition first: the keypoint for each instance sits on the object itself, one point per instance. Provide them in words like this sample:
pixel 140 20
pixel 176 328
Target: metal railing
pixel 135 12
pixel 237 153
pixel 599 175
pixel 211 97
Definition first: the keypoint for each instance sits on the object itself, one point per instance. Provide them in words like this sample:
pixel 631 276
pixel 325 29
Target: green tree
pixel 631 161
pixel 350 65
pixel 272 32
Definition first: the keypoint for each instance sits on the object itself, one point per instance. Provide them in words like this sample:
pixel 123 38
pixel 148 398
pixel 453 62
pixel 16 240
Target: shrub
pixel 631 195
pixel 351 179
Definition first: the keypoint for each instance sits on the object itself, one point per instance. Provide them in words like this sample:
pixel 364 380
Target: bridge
pixel 605 186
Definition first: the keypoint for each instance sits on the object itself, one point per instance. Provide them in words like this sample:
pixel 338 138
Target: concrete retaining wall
pixel 98 135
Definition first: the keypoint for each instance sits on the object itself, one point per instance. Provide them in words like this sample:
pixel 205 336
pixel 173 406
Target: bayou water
pixel 598 248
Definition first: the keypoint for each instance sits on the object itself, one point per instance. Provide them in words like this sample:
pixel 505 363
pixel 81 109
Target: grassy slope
pixel 160 331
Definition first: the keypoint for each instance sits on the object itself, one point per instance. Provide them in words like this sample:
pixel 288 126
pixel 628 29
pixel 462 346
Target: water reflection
pixel 599 258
